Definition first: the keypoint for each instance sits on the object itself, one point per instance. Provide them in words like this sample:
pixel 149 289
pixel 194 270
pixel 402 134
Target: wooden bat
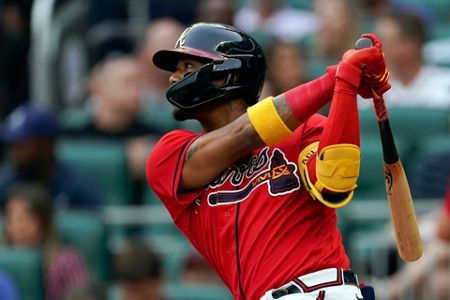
pixel 409 243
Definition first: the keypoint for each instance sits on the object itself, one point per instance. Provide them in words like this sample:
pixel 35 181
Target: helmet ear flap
pixel 191 91
pixel 201 84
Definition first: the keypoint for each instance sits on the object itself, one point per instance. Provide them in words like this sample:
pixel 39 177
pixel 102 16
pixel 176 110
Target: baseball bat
pixel 407 235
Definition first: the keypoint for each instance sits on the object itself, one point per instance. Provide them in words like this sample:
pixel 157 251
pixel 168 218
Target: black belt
pixel 347 278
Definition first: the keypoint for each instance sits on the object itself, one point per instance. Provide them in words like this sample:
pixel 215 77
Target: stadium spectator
pixel 8 289
pixel 115 87
pixel 428 277
pixel 115 90
pixel 338 30
pixel 31 133
pixel 276 19
pixel 157 112
pixel 216 11
pixel 30 222
pixel 286 67
pixel 435 51
pixel 414 82
pixel 373 9
pixel 14 46
pixel 138 270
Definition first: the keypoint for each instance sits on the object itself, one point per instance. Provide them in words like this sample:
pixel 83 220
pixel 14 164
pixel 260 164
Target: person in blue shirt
pixel 30 134
pixel 8 289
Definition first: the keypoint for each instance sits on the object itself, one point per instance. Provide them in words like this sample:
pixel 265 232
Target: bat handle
pixel 380 108
pixel 390 154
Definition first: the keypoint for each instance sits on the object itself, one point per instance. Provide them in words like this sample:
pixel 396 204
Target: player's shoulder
pixel 176 136
pixel 172 142
pixel 168 152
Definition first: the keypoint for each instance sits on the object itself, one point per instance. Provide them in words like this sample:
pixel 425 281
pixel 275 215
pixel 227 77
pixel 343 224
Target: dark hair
pixel 411 25
pixel 40 205
pixel 137 261
pixel 38 202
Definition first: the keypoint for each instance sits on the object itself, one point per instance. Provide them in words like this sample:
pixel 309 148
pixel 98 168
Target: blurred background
pixel 81 106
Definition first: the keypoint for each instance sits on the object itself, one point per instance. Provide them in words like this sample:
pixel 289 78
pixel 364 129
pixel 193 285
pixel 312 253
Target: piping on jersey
pixel 238 262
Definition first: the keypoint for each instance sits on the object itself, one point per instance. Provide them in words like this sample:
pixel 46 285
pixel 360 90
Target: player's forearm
pixel 306 99
pixel 215 151
pixel 332 172
pixel 342 125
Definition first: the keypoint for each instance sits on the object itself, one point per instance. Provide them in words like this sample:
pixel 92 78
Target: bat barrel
pixel 409 243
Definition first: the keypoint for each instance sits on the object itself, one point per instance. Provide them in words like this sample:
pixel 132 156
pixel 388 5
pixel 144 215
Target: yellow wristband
pixel 267 122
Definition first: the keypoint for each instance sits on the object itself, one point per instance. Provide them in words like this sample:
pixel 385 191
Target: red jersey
pixel 447 198
pixel 256 223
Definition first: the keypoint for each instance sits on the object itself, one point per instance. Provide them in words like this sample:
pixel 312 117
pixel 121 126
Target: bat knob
pixel 363 43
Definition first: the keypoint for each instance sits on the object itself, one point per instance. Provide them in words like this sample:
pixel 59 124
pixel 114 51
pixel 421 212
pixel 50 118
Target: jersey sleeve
pixel 446 204
pixel 312 130
pixel 164 166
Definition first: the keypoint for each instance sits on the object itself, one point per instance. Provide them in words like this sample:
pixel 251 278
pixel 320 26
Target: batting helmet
pixel 228 53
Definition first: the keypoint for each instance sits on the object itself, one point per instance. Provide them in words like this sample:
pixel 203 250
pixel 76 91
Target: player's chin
pixel 181 114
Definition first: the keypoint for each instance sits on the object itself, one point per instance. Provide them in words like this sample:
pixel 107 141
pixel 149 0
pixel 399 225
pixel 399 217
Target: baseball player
pixel 256 191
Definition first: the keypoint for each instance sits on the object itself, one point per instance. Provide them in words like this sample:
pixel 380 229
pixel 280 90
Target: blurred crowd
pixel 79 121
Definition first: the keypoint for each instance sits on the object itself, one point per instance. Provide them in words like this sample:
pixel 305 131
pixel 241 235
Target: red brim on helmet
pixel 168 59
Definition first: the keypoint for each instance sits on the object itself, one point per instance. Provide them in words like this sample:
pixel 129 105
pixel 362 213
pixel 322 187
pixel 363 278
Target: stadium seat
pixel 410 127
pixel 86 232
pixel 150 198
pixel 171 244
pixel 74 118
pixel 317 67
pixel 410 122
pixel 358 218
pixel 371 178
pixel 300 4
pixel 177 291
pixel 24 265
pixel 105 161
pixel 419 122
pixel 440 8
pixel 430 168
pixel 435 144
pixel 440 30
pixel 368 122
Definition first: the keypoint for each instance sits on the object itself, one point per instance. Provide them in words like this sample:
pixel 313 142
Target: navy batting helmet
pixel 228 53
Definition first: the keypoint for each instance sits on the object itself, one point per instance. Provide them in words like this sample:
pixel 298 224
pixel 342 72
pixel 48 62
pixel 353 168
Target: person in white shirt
pixel 414 82
pixel 276 19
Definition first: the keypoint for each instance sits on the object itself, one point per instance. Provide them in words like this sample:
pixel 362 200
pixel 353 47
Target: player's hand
pixel 367 64
pixel 369 60
pixel 365 89
pixel 375 84
pixel 368 91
